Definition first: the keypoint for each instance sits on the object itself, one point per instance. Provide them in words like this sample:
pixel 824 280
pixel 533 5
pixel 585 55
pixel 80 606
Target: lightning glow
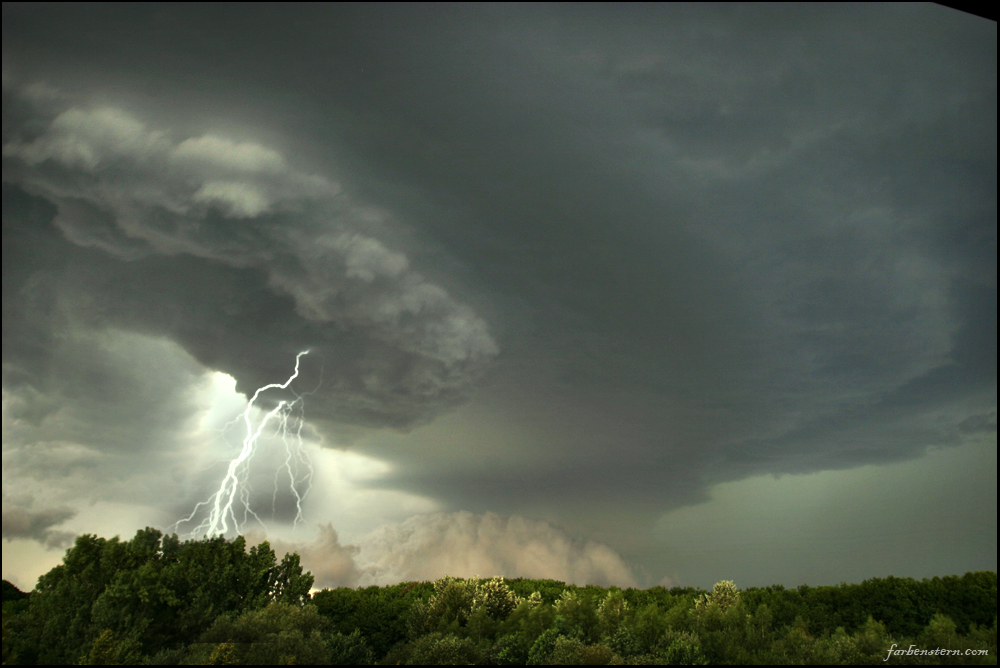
pixel 233 495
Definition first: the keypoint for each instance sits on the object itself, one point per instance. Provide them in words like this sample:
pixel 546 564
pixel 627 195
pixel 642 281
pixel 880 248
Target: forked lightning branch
pixel 232 499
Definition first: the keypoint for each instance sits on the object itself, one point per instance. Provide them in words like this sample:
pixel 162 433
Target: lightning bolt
pixel 235 487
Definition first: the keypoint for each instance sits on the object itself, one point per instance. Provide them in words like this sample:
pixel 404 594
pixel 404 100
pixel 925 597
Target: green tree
pixel 444 650
pixel 566 652
pixel 647 626
pixel 840 648
pixel 466 608
pixel 350 650
pixel 154 589
pixel 281 633
pixel 872 641
pixel 983 638
pixel 542 648
pixel 759 627
pixel 509 650
pixel 15 601
pixel 107 650
pixel 450 607
pixel 611 612
pixel 941 632
pixel 6 639
pixel 382 614
pixel 495 598
pixel 529 620
pixel 624 643
pixel 679 648
pixel 576 617
pixel 724 595
pixel 223 654
pixel 796 647
pixel 56 627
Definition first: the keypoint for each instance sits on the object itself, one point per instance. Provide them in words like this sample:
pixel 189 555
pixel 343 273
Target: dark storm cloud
pixel 711 241
pixel 21 522
pixel 987 422
pixel 226 249
pixel 785 214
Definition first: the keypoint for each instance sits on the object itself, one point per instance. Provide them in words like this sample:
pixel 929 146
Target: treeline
pixel 158 600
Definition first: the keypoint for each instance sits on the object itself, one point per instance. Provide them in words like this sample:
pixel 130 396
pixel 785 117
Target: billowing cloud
pixel 227 155
pixel 705 255
pixel 22 522
pixel 975 424
pixel 461 544
pixel 86 140
pixel 241 200
pixel 257 237
pixel 332 564
pixel 112 395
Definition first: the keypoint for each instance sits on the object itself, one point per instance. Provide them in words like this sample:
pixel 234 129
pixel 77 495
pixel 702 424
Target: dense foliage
pixel 149 594
pixel 157 600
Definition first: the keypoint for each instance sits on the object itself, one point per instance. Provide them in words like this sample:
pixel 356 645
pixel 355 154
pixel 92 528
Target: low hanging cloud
pixel 464 544
pixel 229 250
pixel 25 523
pixel 984 423
pixel 332 564
pixel 460 544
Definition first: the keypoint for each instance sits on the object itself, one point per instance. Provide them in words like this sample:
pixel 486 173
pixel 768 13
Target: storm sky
pixel 613 294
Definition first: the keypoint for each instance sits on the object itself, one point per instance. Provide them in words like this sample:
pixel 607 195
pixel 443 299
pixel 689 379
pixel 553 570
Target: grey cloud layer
pixel 22 522
pixel 136 194
pixel 781 221
pixel 712 241
pixel 463 544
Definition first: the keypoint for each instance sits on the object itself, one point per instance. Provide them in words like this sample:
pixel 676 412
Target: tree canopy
pixel 154 590
pixel 155 599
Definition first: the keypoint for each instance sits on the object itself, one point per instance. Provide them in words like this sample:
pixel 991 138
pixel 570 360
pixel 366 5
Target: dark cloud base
pixel 712 241
pixel 227 318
